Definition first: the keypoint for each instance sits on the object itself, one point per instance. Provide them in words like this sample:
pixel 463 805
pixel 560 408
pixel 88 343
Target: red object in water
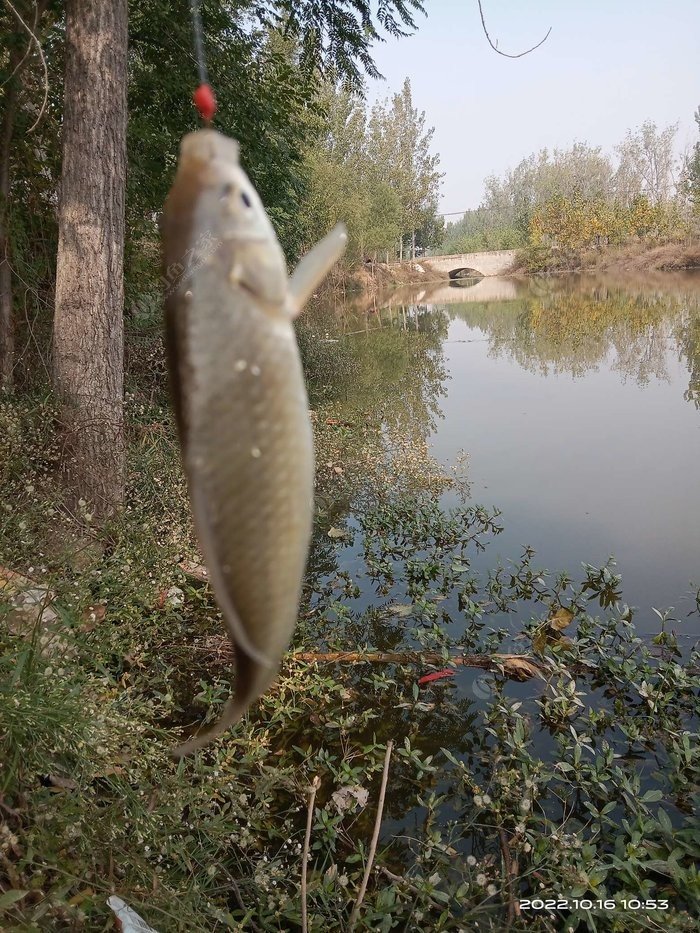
pixel 205 101
pixel 436 675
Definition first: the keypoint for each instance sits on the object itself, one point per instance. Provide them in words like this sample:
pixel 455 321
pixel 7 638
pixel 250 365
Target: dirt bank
pixel 633 257
pixel 379 275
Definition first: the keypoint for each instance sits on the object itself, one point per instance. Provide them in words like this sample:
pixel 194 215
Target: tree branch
pixel 375 837
pixel 315 784
pixel 33 38
pixel 495 47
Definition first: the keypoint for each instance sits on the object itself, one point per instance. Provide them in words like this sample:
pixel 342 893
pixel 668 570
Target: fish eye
pixel 246 200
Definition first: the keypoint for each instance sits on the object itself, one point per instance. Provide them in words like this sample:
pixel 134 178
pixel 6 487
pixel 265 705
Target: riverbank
pixel 632 257
pixel 376 276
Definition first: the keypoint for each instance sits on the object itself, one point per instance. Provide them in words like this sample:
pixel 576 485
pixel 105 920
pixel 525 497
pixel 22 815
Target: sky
pixel 607 66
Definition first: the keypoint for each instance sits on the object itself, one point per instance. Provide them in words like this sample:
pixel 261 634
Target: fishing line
pixel 204 97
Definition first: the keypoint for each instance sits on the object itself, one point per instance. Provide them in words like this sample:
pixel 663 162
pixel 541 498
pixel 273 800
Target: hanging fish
pixel 240 402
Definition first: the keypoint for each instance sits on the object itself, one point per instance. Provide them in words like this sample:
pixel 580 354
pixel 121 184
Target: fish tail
pixel 233 710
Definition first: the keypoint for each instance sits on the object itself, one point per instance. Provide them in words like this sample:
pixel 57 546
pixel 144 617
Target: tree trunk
pixel 7 332
pixel 413 245
pixel 401 248
pixel 88 345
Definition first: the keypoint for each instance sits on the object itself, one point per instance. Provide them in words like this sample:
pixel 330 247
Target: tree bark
pixel 88 334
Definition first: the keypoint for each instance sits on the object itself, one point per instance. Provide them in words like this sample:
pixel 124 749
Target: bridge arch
pixel 465 272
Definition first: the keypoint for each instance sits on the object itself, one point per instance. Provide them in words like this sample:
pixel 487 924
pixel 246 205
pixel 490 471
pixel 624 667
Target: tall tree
pixel 88 321
pixel 344 183
pixel 400 144
pixel 647 163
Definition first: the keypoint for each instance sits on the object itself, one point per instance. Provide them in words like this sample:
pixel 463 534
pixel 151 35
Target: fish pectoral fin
pixel 314 267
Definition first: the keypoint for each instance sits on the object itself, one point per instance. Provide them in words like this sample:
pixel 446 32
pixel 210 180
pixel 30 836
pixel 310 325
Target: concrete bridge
pixel 493 262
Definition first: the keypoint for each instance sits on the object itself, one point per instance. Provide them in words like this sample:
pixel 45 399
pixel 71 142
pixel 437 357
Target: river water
pixel 577 403
pixel 570 404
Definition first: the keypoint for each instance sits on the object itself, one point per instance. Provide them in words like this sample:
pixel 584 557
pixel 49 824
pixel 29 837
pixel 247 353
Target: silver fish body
pixel 241 403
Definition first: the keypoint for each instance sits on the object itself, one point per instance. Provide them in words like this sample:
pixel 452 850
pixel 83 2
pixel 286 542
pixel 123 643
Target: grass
pixel 581 786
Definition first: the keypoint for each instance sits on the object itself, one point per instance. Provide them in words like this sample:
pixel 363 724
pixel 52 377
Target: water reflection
pixel 570 397
pixel 577 331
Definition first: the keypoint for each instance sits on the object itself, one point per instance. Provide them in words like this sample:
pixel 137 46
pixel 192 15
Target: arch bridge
pixel 493 262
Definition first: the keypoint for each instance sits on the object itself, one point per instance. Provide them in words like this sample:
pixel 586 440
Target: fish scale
pixel 241 404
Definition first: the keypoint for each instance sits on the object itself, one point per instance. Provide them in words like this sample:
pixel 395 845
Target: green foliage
pixel 338 34
pixel 479 230
pixel 268 63
pixel 259 83
pixel 376 174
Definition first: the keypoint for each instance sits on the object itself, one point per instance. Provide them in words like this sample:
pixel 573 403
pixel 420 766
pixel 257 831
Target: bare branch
pixel 510 867
pixel 33 38
pixel 315 784
pixel 375 837
pixel 495 47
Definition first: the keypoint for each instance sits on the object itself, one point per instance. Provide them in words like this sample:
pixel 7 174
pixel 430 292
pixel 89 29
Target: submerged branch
pixel 519 666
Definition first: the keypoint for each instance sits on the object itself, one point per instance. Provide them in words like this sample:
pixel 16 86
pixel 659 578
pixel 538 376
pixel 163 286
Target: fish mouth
pixel 210 146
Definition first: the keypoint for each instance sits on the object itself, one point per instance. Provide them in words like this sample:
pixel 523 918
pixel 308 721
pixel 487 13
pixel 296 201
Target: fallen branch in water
pixel 517 666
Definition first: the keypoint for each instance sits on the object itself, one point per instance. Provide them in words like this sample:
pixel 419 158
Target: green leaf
pixel 665 821
pixel 11 897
